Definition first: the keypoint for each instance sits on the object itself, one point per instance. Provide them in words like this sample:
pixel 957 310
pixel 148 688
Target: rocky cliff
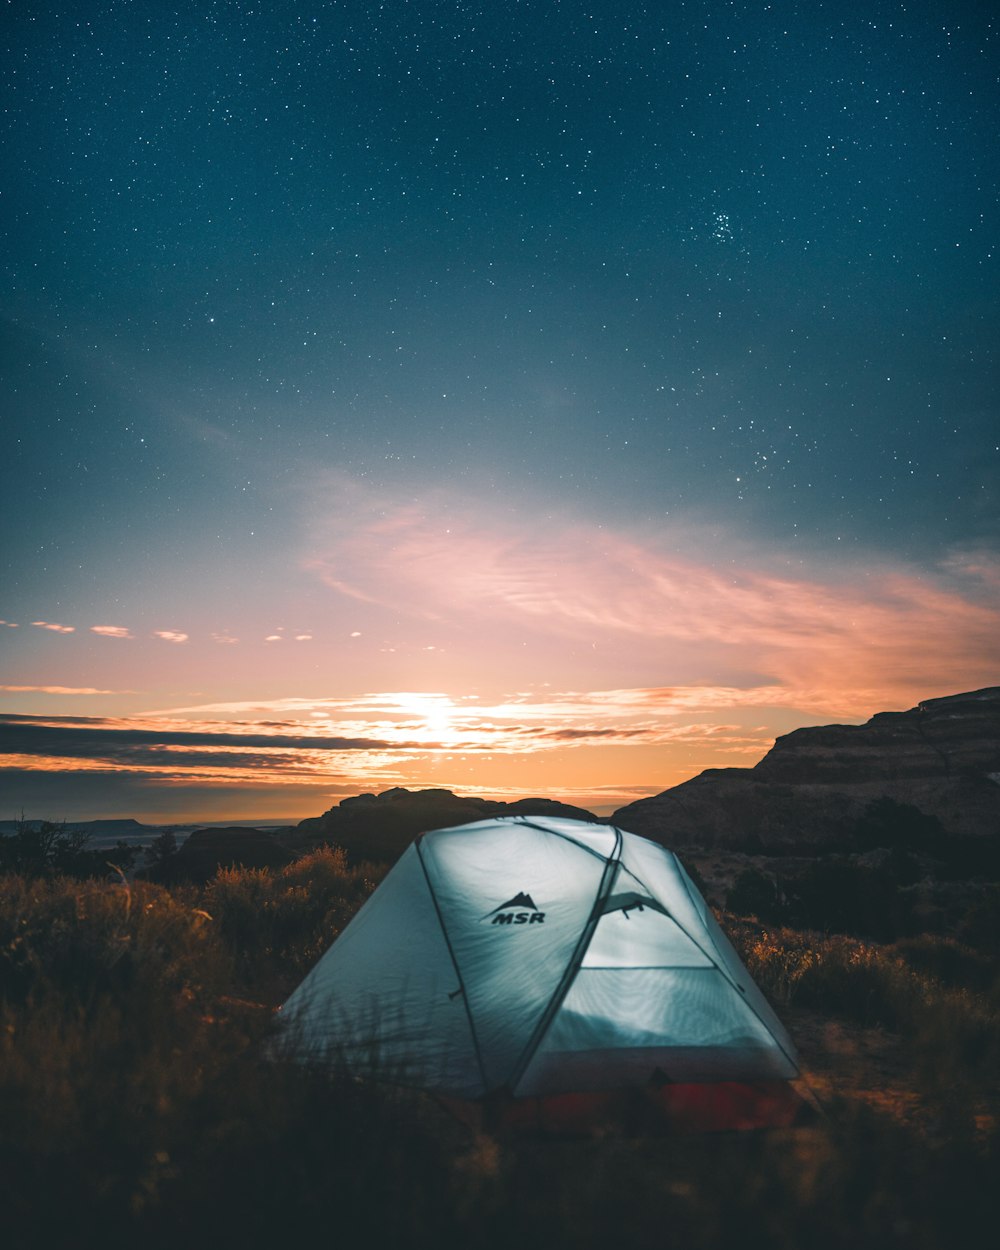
pixel 379 827
pixel 943 757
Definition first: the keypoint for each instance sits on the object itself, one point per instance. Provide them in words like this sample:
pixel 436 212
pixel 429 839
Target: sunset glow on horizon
pixel 503 613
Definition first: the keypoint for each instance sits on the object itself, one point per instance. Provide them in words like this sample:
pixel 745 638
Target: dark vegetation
pixel 52 848
pixel 138 1106
pixel 896 873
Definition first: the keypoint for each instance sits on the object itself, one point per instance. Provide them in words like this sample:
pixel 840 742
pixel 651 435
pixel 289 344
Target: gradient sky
pixel 542 397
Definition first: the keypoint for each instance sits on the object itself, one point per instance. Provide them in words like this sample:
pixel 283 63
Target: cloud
pixel 225 639
pixel 848 634
pixel 18 737
pixel 10 624
pixel 159 796
pixel 62 690
pixel 427 723
pixel 111 631
pixel 56 629
pixel 170 635
pixel 58 745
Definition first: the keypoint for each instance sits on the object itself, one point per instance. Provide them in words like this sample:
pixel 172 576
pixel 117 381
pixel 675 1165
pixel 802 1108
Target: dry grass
pixel 136 1107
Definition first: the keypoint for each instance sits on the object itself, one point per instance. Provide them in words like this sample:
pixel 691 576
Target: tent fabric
pixel 540 957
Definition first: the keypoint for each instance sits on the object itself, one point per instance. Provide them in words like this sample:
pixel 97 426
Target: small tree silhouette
pixel 162 848
pixel 47 849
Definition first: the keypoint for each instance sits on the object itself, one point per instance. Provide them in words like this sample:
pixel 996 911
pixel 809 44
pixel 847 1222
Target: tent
pixel 545 965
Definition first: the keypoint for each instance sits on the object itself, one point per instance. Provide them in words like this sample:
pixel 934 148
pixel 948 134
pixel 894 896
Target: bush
pixel 948 961
pixel 892 825
pixel 756 893
pixel 844 897
pixel 285 920
pixel 952 1034
pixel 48 850
pixel 84 940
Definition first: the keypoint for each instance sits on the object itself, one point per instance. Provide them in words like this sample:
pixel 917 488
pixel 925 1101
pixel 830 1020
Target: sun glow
pixel 436 715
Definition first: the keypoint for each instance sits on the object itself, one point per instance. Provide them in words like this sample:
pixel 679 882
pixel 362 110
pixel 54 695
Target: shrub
pixel 948 961
pixel 47 850
pixel 980 925
pixel 286 919
pixel 844 897
pixel 952 1034
pixel 887 823
pixel 85 939
pixel 756 893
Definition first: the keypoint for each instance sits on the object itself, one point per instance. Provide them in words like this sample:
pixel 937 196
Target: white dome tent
pixel 535 958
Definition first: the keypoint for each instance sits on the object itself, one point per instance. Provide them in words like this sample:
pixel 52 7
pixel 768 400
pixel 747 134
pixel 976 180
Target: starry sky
pixel 546 397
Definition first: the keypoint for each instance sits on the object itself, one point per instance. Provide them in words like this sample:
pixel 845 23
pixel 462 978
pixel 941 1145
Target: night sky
pixel 529 398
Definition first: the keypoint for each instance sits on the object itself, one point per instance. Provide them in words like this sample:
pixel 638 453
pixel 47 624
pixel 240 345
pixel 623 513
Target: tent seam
pixel 611 866
pixel 458 972
pixel 723 972
pixel 530 824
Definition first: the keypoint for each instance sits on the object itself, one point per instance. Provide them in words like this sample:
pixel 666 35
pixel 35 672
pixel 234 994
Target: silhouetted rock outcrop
pixel 379 827
pixel 942 757
pixel 207 850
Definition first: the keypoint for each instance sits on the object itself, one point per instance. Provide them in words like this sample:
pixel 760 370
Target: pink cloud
pixel 56 629
pixel 170 635
pixel 61 690
pixel 111 631
pixel 10 624
pixel 845 636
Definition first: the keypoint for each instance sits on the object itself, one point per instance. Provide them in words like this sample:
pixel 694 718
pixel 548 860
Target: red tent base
pixel 722 1106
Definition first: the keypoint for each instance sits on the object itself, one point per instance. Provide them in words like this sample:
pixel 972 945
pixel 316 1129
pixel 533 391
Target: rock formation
pixel 379 827
pixel 205 851
pixel 942 757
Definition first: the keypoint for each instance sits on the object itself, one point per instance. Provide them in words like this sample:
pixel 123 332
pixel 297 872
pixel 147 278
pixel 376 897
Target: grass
pixel 136 1107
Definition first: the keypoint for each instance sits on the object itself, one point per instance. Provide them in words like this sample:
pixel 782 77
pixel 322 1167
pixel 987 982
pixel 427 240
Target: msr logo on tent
pixel 520 909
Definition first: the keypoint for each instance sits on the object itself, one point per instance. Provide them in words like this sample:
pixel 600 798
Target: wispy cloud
pixel 190 753
pixel 436 723
pixel 856 634
pixel 111 631
pixel 56 629
pixel 10 624
pixel 17 735
pixel 170 635
pixel 61 690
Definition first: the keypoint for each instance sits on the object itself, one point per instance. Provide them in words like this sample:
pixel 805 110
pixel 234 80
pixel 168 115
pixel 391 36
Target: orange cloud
pixel 111 631
pixel 408 723
pixel 56 629
pixel 170 635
